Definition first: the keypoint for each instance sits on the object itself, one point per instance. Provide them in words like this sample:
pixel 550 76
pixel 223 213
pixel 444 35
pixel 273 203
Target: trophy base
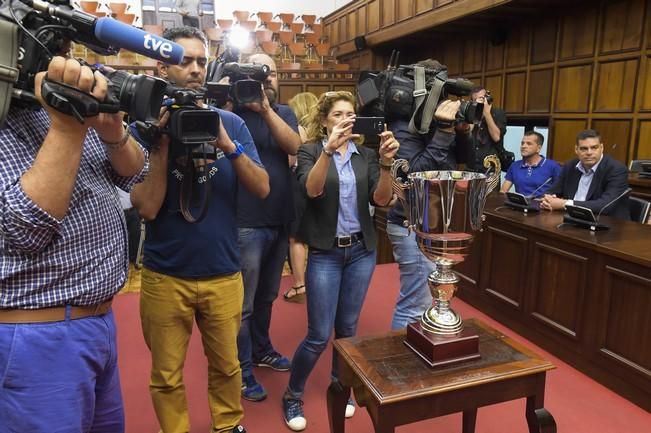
pixel 437 350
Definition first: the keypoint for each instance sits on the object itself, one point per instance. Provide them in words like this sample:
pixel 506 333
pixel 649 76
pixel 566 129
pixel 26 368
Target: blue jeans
pixel 414 297
pixel 262 255
pixel 337 281
pixel 60 377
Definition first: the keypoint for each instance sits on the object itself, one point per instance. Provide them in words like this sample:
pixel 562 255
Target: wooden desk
pixel 584 296
pixel 397 387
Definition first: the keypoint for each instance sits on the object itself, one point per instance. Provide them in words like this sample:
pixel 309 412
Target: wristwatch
pixel 239 149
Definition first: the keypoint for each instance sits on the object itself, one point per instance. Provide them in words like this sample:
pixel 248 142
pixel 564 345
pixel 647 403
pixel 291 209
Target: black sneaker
pixel 239 429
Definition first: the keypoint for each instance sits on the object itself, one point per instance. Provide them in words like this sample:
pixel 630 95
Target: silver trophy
pixel 445 210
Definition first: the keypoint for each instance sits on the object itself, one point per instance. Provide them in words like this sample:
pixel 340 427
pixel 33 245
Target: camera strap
pixel 186 189
pixel 8 69
pixel 428 104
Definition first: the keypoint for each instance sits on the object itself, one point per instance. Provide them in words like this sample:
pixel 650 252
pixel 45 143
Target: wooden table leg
pixel 539 419
pixel 469 420
pixel 337 399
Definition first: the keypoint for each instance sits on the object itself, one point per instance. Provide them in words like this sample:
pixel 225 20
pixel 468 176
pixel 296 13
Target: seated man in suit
pixel 593 180
pixel 533 174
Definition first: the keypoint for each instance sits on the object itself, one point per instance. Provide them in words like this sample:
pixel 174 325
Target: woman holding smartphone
pixel 341 179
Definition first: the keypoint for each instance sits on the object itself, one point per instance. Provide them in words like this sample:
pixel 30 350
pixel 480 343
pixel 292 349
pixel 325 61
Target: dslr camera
pixel 42 29
pixel 245 82
pixel 409 91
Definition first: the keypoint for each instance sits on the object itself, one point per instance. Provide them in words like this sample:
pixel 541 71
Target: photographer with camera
pixel 264 225
pixel 64 257
pixel 487 138
pixel 192 270
pixel 433 151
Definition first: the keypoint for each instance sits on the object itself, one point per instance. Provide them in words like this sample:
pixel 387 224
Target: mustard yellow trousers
pixel 168 308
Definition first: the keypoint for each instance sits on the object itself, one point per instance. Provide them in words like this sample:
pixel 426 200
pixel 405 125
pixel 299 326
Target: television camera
pixel 412 92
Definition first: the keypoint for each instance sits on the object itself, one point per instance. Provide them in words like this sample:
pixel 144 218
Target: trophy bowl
pixel 445 211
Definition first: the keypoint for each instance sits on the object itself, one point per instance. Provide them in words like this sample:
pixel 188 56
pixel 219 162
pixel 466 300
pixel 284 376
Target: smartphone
pixel 368 125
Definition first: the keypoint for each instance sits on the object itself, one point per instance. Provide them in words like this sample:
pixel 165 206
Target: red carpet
pixel 579 404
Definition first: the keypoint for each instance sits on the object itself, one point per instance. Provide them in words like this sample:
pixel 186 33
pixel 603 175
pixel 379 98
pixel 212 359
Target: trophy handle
pixel 494 178
pixel 401 188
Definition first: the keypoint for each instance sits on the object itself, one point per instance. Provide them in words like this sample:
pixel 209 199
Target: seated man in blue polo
pixel 533 174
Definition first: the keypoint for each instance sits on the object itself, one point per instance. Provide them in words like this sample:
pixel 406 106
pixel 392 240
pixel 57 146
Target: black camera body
pixel 392 93
pixel 138 95
pixel 245 81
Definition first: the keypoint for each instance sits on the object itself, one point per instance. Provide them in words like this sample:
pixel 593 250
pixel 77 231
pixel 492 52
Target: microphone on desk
pixel 518 201
pixel 626 191
pixel 549 179
pixel 584 217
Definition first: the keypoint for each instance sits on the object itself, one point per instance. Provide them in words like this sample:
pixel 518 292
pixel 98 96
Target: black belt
pixel 346 241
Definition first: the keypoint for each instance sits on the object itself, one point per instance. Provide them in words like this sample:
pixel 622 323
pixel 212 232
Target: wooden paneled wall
pixel 582 67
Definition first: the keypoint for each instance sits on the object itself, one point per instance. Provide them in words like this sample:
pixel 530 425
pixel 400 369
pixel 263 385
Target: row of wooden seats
pixel 117 10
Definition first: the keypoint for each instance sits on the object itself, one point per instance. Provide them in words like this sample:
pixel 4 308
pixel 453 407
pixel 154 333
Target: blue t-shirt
pixel 208 248
pixel 278 207
pixel 528 179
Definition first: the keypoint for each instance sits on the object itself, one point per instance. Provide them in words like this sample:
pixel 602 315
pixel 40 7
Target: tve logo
pixel 161 46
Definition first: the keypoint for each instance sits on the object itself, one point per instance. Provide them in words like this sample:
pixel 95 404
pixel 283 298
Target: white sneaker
pixel 350 408
pixel 293 414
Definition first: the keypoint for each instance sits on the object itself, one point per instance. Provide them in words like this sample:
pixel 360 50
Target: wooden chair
pixel 154 29
pixel 297 50
pixel 224 24
pixel 311 41
pixel 264 18
pixel 125 18
pixel 317 29
pixel 274 26
pixel 248 25
pixel 323 50
pixel 286 19
pixel 261 36
pixel 271 48
pixel 241 16
pixel 285 39
pixel 89 6
pixel 118 8
pixel 308 19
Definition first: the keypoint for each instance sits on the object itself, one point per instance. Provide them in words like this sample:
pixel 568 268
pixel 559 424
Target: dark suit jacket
pixel 610 180
pixel 319 226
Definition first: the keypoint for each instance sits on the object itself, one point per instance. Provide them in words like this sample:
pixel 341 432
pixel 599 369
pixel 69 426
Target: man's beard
pixel 271 95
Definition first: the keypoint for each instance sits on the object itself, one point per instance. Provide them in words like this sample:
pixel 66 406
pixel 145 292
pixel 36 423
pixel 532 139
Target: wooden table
pixel 397 387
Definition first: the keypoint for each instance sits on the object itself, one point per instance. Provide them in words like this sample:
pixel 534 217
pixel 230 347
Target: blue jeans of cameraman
pixel 262 255
pixel 337 281
pixel 414 297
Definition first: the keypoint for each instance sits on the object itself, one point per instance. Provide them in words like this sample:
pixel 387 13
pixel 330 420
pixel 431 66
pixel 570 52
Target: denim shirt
pixel 347 216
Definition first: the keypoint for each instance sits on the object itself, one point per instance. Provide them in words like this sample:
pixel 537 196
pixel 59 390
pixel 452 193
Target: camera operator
pixel 264 228
pixel 435 151
pixel 193 269
pixel 487 138
pixel 64 256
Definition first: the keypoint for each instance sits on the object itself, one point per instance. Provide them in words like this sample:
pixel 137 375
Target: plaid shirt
pixel 80 260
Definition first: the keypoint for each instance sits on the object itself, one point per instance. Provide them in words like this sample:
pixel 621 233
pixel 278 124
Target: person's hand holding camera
pixel 341 133
pixel 388 147
pixel 109 126
pixel 446 114
pixel 262 106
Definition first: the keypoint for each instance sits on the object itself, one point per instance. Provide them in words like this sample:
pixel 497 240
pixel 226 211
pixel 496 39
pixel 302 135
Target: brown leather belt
pixel 54 314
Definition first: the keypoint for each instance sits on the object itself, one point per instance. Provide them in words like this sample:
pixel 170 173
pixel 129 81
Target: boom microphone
pixel 133 39
pixel 115 33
